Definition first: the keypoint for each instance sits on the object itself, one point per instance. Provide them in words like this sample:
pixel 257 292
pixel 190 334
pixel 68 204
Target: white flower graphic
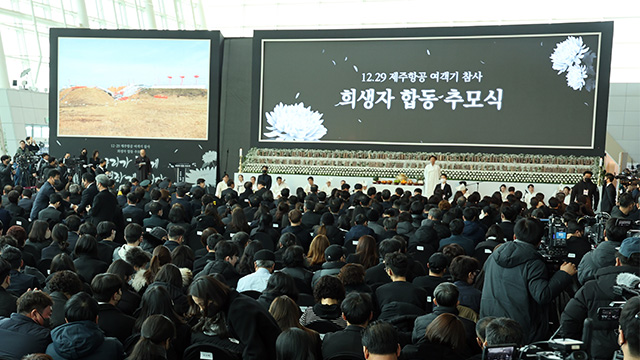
pixel 295 123
pixel 576 76
pixel 207 173
pixel 210 157
pixel 568 53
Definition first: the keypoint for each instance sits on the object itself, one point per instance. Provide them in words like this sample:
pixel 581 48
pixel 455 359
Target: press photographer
pixel 605 253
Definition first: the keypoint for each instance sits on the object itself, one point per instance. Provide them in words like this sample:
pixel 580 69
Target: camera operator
pixel 629 330
pixel 517 284
pixel 6 170
pixel 596 294
pixel 22 158
pixel 31 145
pixel 627 208
pixel 577 244
pixel 605 254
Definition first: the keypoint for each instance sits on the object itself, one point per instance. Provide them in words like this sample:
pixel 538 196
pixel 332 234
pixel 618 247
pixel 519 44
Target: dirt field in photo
pixel 92 112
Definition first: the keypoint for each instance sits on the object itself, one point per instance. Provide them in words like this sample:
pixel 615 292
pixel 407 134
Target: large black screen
pixel 117 91
pixel 535 88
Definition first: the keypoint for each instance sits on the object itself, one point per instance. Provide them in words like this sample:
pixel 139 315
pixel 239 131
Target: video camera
pixel 594 227
pixel 554 241
pixel 559 349
pixel 629 176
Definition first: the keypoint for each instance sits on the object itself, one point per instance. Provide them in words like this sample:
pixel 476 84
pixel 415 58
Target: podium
pixel 181 170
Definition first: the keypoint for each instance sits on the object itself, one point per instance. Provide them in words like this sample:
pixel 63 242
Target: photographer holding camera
pixel 517 284
pixel 605 254
pixel 594 299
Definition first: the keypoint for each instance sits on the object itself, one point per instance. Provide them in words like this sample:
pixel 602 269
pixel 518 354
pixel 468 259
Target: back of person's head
pixel 33 299
pixel 456 226
pixel 104 286
pixel 481 328
pixel 630 325
pixel 105 229
pixel 397 262
pixel 626 200
pixel 380 338
pixel 226 248
pixel 294 344
pixel 287 239
pixel 12 255
pixel 132 233
pixel 66 282
pixel 169 274
pixel 5 270
pixel 616 231
pixel 528 230
pixel 447 329
pixel 213 293
pixel 388 246
pixel 286 312
pixel 438 263
pixel 61 262
pixel 156 300
pixel 155 332
pixel 73 222
pixel 121 268
pixel 293 256
pixel 281 283
pixel 503 330
pixel 461 267
pixel 295 216
pixel 328 287
pixel 213 240
pixel 137 257
pixel 81 307
pixel 357 308
pixel 86 245
pixel 446 294
pixel 452 250
pixel 88 228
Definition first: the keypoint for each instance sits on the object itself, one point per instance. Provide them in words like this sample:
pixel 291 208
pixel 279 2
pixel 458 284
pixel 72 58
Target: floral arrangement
pixel 387 164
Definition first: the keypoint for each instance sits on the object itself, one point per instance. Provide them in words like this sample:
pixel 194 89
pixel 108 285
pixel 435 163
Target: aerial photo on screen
pixel 133 88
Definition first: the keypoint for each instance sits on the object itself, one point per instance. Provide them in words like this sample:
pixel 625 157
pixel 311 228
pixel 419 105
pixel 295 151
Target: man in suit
pixel 357 310
pixel 132 213
pixel 443 188
pixel 7 300
pixel 107 290
pixel 608 194
pixel 310 218
pixel 51 214
pixel 587 188
pixel 183 199
pixel 89 192
pixel 12 207
pixel 105 204
pixel 101 169
pixel 26 201
pixel 155 209
pixel 303 236
pixel 5 171
pixel 266 178
pixel 42 199
pixel 457 228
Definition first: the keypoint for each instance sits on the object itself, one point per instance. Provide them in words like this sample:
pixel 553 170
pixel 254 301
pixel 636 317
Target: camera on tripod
pixel 594 227
pixel 554 242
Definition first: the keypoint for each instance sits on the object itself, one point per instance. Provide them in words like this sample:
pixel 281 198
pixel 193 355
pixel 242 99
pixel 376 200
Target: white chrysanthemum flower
pixel 210 157
pixel 295 123
pixel 207 173
pixel 568 53
pixel 576 76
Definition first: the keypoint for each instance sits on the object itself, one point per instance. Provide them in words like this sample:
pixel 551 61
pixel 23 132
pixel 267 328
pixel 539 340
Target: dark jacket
pixel 51 215
pixel 231 275
pixel 328 268
pixel 401 291
pixel 474 231
pixel 422 322
pixel 602 256
pixel 16 211
pixel 57 310
pixel 302 278
pixel 83 340
pixel 356 232
pixel 21 282
pixel 133 214
pixel 252 325
pixel 425 349
pixel 633 215
pixel 105 208
pixel 88 267
pixel 20 335
pixel 608 198
pixel 347 342
pixel 42 199
pixel 302 234
pixel 518 286
pixel 87 197
pixel 468 295
pixel 154 221
pixel 200 263
pixel 309 220
pixel 7 302
pixel 467 244
pixel 114 323
pixel 334 234
pixel 593 295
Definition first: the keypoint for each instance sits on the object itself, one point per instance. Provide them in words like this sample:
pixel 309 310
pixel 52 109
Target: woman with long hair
pixel 444 339
pixel 161 256
pixel 158 301
pixel 238 223
pixel 156 335
pixel 282 214
pixel 38 239
pixel 279 284
pixel 265 233
pixel 287 314
pixel 59 235
pixel 170 277
pixel 130 300
pixel 86 263
pixel 366 252
pixel 245 264
pixel 209 218
pixel 315 256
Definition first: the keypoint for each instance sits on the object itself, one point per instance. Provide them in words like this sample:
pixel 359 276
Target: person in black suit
pixel 26 201
pixel 399 290
pixel 51 214
pixel 5 171
pixel 587 188
pixel 13 208
pixel 310 218
pixel 42 199
pixel 107 290
pixel 184 200
pixel 266 178
pixel 86 253
pixel 302 235
pixel 101 169
pixel 143 165
pixel 132 213
pixel 443 188
pixel 7 300
pixel 608 194
pixel 105 205
pixel 357 310
pixel 155 209
pixel 89 192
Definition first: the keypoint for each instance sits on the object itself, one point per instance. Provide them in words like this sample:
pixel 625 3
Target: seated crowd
pixel 168 271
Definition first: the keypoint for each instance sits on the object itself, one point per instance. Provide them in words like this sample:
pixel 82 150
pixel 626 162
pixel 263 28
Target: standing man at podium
pixel 432 175
pixel 143 165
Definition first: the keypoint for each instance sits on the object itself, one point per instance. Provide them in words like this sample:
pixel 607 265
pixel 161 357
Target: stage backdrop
pixel 117 91
pixel 515 89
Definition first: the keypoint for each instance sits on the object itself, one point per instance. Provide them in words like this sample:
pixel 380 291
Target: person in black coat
pixel 265 178
pixel 226 254
pixel 246 319
pixel 131 213
pixel 587 188
pixel 13 208
pixel 443 188
pixel 302 235
pixel 26 331
pixel 6 171
pixel 86 262
pixel 143 166
pixel 89 192
pixel 42 198
pixel 7 300
pixel 107 290
pixel 51 214
pixel 608 194
pixel 105 205
pixel 399 290
pixel 357 309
